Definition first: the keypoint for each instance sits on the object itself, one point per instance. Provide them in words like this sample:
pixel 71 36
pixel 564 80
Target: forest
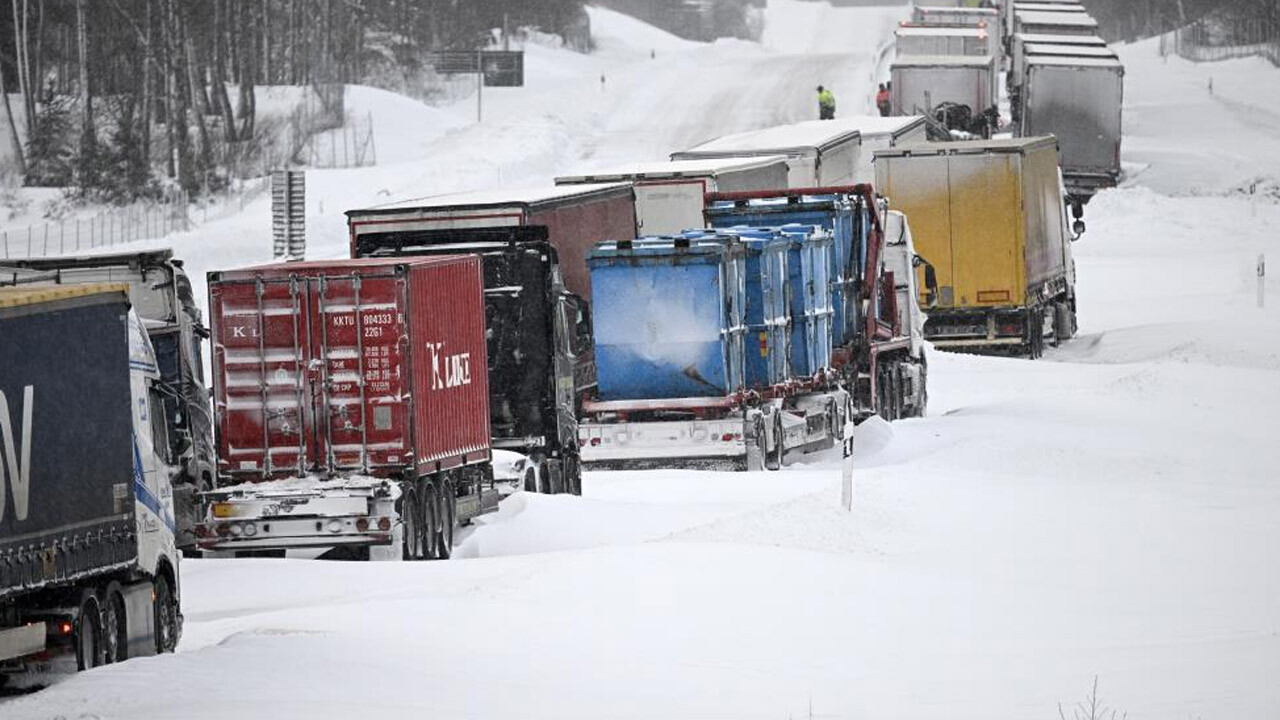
pixel 120 99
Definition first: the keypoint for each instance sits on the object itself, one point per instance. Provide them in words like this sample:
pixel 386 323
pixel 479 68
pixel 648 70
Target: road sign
pixel 502 68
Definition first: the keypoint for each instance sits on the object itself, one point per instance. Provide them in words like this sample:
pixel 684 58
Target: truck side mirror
pixel 931 285
pixel 1078 229
pixel 583 338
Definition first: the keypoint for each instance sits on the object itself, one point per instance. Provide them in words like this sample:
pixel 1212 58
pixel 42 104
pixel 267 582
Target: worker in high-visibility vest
pixel 826 104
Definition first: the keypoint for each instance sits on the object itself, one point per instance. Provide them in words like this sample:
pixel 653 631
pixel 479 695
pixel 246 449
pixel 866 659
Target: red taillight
pixel 223 529
pixel 727 437
pixel 362 524
pixel 65 628
pixel 384 524
pixel 595 442
pixel 202 531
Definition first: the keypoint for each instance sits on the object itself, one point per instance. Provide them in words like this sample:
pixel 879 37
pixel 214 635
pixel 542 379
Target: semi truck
pixel 1017 68
pixel 1079 100
pixel 576 217
pixel 818 152
pixel 1008 11
pixel 161 295
pixel 669 194
pixel 351 408
pixel 879 355
pixel 539 343
pixel 88 563
pixel 878 133
pixel 958 91
pixel 990 216
pixel 692 335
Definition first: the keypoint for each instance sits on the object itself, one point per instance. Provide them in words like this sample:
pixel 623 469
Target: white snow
pixel 1108 511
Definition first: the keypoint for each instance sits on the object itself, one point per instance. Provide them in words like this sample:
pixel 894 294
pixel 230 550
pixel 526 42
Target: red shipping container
pixel 374 367
pixel 576 216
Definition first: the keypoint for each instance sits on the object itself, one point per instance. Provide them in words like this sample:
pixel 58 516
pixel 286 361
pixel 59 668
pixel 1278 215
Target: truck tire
pixel 411 520
pixel 166 616
pixel 430 522
pixel 530 480
pixel 443 540
pixel 448 518
pixel 1064 323
pixel 115 626
pixel 773 460
pixel 89 633
pixel 757 443
pixel 573 474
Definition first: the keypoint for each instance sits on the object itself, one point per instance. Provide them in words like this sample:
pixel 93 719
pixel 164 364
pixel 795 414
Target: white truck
pixel 88 563
pixel 934 85
pixel 669 195
pixel 819 153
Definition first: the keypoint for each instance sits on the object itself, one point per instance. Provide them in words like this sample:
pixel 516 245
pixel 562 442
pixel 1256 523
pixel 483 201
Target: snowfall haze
pixel 1112 510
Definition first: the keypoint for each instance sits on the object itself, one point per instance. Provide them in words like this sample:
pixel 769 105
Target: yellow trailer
pixel 990 216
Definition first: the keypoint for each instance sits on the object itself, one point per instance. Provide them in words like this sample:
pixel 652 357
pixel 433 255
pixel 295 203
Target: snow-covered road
pixel 1109 511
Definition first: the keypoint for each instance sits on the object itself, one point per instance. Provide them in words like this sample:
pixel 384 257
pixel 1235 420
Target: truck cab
pixel 88 560
pixel 541 360
pixel 161 294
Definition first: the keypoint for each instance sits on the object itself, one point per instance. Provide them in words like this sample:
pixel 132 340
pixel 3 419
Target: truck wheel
pixel 448 519
pixel 530 480
pixel 757 443
pixel 430 522
pixel 411 520
pixel 166 616
pixel 89 634
pixel 1063 323
pixel 773 461
pixel 115 628
pixel 573 474
pixel 544 478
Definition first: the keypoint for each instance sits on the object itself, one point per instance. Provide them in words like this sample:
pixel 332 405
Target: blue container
pixel 844 216
pixel 809 264
pixel 668 320
pixel 768 318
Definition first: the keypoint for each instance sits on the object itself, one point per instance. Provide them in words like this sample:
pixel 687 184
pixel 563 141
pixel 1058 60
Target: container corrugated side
pixel 450 368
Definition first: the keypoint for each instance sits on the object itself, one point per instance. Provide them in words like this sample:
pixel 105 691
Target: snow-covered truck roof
pixel 673 169
pixel 806 137
pixel 1069 50
pixel 973 61
pixel 1084 62
pixel 1051 39
pixel 1062 19
pixel 528 198
pixel 970 147
pixel 975 31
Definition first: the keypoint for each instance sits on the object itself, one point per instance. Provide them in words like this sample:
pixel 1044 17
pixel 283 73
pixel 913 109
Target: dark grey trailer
pixel 1079 101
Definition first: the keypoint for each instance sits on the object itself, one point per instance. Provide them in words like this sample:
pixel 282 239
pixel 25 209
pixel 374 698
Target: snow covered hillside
pixel 1111 510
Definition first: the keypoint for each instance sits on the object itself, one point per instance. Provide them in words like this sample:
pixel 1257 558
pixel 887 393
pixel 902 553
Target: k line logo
pixel 448 371
pixel 14 464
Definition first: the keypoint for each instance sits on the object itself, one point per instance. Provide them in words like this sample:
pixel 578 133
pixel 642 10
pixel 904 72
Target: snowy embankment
pixel 1109 511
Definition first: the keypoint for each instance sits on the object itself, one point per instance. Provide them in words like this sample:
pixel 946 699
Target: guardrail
pixel 1211 41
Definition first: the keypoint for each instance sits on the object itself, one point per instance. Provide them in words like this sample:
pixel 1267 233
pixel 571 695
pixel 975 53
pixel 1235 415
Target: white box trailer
pixel 976 17
pixel 883 133
pixel 670 195
pixel 921 83
pixel 942 40
pixel 1036 49
pixel 1079 101
pixel 819 153
pixel 1048 7
pixel 1008 9
pixel 1054 23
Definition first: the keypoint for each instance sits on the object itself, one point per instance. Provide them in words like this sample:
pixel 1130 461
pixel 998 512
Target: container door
pixel 260 331
pixel 359 397
pixel 777 318
pixel 986 220
pixel 919 187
